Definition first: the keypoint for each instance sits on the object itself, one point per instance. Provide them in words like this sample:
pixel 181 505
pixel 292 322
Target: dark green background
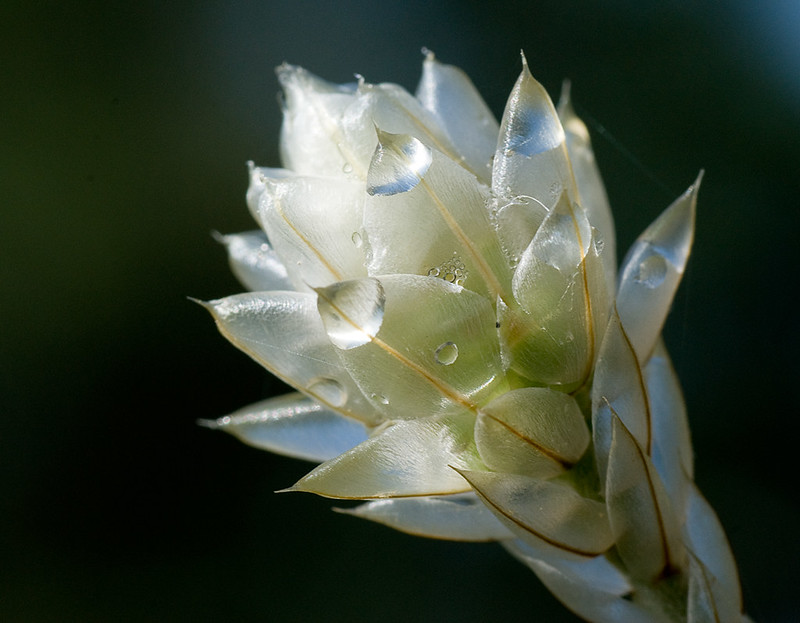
pixel 125 128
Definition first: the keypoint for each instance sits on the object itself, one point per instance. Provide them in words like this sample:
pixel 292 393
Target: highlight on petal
pixel 408 458
pixel 352 311
pixel 440 358
pixel 533 431
pixel 642 520
pixel 399 163
pixel 652 271
pixel 284 333
pixel 293 425
pixel 460 517
pixel 573 527
pixel 531 157
pixel 312 223
pixel 448 93
pixel 254 262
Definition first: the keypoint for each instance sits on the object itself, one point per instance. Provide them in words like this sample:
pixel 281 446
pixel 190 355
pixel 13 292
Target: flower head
pixel 441 291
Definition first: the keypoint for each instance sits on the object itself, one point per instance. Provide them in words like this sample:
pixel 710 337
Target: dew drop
pixel 329 390
pixel 433 272
pixel 399 163
pixel 357 239
pixel 351 311
pixel 347 169
pixel 380 398
pixel 652 271
pixel 446 354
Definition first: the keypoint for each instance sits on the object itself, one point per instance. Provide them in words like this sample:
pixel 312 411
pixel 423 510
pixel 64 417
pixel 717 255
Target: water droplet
pixel 347 169
pixel 598 241
pixel 399 163
pixel 652 271
pixel 357 239
pixel 351 311
pixel 380 398
pixel 446 354
pixel 433 272
pixel 328 390
pixel 453 271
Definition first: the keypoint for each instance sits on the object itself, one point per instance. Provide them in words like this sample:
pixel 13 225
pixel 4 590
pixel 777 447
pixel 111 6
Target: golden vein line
pixel 549 453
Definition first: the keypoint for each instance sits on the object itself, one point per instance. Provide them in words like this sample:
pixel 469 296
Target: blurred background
pixel 125 132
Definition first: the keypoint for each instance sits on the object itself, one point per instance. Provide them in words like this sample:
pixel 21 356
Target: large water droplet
pixel 352 311
pixel 357 239
pixel 399 163
pixel 652 271
pixel 446 354
pixel 329 390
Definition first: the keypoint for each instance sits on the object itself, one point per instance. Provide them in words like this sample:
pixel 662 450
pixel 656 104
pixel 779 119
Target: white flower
pixel 441 290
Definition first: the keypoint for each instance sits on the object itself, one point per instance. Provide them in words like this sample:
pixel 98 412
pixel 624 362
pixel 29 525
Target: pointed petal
pixel 591 191
pixel 644 526
pixel 284 333
pixel 455 517
pixel 707 542
pixel 314 225
pixel 618 390
pixel 701 603
pixel 449 94
pixel 415 362
pixel 550 517
pixel 408 458
pixel 672 445
pixel 534 431
pixel 293 425
pixel 652 271
pixel 255 263
pixel 258 182
pixel 593 589
pixel 551 340
pixel 425 215
pixel 531 157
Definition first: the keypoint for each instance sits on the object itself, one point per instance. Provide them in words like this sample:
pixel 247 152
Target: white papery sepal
pixel 531 158
pixel 448 93
pixel 293 425
pixel 591 191
pixel 460 517
pixel 254 262
pixel 257 184
pixel 572 528
pixel 645 528
pixel 652 270
pixel 534 431
pixel 401 459
pixel 314 224
pixel 594 589
pixel 402 343
pixel 284 333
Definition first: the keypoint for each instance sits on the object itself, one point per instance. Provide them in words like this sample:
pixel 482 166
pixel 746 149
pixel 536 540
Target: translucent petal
pixel 255 263
pixel 314 225
pixel 449 94
pixel 652 271
pixel 533 431
pixel 440 222
pixel 707 542
pixel 455 517
pixel 408 458
pixel 399 163
pixel 551 339
pixel 284 333
pixel 316 139
pixel 420 362
pixel 593 589
pixel 295 426
pixel 516 222
pixel 550 517
pixel 591 191
pixel 258 182
pixel 531 157
pixel 619 390
pixel 672 445
pixel 641 517
pixel 702 606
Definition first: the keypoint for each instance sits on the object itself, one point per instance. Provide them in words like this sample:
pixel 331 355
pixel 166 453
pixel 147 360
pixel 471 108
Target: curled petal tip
pixel 428 54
